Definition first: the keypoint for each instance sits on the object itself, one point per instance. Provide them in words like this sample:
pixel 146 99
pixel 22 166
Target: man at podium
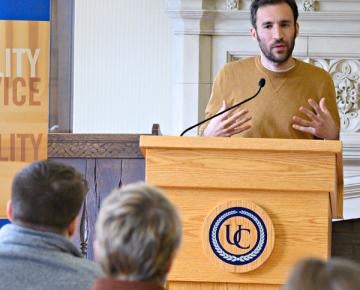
pixel 298 100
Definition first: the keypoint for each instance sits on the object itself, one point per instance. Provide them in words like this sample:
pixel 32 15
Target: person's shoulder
pixel 239 64
pixel 311 69
pixel 89 267
pixel 233 68
pixel 81 273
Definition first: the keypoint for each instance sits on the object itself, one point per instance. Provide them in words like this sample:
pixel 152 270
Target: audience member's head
pixel 137 234
pixel 47 196
pixel 315 274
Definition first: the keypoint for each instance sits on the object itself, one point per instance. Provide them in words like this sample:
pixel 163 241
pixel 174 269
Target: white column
pixel 191 61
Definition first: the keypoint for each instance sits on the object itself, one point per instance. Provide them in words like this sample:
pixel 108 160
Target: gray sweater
pixel 38 260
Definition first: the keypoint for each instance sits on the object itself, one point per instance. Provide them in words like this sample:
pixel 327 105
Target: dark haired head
pixel 47 195
pixel 256 4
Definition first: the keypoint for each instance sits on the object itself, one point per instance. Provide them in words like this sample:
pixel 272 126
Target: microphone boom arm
pixel 261 84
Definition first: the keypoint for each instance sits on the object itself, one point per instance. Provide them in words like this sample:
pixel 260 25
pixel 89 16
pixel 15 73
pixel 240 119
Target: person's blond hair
pixel 315 274
pixel 137 233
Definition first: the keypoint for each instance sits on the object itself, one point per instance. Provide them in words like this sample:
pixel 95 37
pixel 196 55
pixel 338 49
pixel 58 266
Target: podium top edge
pixel 329 147
pixel 253 144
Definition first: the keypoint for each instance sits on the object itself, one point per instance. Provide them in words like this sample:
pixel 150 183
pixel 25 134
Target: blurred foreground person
pixel 315 274
pixel 35 249
pixel 137 234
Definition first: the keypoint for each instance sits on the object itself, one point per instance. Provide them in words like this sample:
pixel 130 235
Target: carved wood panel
pixel 107 162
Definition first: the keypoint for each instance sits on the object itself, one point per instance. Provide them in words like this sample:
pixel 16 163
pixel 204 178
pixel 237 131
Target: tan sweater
pixel 284 92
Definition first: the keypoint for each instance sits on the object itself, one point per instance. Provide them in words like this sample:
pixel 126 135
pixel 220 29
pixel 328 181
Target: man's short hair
pixel 256 4
pixel 47 194
pixel 137 233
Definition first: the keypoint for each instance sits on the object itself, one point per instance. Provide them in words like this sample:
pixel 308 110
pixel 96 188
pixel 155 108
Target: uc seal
pixel 238 236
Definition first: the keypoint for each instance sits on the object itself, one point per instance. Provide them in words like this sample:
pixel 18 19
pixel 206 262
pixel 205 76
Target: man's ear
pixel 72 227
pixel 253 33
pixel 9 211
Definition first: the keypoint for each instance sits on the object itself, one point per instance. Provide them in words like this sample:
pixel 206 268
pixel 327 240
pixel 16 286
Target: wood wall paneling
pixel 107 162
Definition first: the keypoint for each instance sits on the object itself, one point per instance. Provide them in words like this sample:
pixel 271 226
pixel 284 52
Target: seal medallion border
pixel 261 248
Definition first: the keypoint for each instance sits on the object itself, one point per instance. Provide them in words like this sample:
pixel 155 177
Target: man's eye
pixel 267 26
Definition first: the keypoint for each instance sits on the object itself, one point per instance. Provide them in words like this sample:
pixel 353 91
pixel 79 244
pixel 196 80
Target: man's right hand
pixel 228 124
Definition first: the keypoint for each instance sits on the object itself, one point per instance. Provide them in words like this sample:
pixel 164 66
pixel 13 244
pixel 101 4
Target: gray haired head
pixel 316 274
pixel 137 233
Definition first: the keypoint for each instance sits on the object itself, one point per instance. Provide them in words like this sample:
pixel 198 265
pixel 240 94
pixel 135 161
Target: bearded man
pixel 298 100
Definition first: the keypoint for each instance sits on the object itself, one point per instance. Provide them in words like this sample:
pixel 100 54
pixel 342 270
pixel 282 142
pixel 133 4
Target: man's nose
pixel 277 32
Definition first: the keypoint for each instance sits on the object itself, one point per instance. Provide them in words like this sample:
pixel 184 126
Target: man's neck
pixel 277 67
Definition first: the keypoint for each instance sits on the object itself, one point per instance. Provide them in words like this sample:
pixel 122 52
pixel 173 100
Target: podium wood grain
pixel 215 286
pixel 297 182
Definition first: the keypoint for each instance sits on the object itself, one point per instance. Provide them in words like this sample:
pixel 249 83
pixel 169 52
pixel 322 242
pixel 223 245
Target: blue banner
pixel 27 10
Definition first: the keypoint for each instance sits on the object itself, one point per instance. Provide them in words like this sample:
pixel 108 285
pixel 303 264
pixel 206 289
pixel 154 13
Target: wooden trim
pixel 94 146
pixel 259 144
pixel 61 66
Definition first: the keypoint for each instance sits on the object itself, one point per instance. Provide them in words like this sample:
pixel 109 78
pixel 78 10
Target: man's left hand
pixel 320 123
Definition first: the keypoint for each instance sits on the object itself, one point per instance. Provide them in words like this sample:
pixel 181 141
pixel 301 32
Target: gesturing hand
pixel 228 124
pixel 320 123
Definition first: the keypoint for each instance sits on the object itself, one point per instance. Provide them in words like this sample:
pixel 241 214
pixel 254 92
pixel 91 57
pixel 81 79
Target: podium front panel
pixel 297 183
pixel 301 230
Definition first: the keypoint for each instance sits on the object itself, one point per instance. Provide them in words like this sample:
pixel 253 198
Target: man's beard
pixel 273 58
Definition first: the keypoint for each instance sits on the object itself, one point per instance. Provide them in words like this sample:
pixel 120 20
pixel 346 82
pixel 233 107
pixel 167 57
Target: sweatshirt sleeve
pixel 330 95
pixel 216 99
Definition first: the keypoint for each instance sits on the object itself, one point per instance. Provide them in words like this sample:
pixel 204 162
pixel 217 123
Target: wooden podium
pixel 298 183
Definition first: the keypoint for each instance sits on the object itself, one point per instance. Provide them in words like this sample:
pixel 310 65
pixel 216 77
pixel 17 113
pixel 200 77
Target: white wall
pixel 122 66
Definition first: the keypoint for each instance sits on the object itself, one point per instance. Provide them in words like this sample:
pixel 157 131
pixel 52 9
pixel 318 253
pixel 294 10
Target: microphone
pixel 261 85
